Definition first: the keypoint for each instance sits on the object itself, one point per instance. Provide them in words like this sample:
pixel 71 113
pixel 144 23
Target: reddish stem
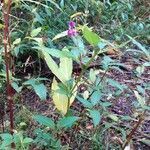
pixel 6 12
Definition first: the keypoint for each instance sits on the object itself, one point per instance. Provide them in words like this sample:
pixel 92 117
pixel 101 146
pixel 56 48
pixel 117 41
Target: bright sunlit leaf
pixel 61 100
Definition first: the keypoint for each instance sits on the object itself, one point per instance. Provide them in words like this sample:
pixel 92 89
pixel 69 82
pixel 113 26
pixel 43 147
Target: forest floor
pixel 79 136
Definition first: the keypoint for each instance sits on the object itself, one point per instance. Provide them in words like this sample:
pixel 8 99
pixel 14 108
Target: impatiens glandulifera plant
pixel 63 72
pixel 46 135
pixel 64 87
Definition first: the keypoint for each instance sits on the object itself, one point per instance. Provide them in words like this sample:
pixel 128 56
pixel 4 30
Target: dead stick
pixel 129 137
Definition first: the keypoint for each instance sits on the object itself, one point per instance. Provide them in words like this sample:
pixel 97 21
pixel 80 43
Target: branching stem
pixel 84 68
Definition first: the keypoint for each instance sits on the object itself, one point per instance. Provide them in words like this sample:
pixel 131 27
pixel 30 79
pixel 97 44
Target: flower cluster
pixel 72 31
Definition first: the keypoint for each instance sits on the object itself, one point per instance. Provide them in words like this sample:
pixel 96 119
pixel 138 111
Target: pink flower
pixel 72 32
pixel 72 24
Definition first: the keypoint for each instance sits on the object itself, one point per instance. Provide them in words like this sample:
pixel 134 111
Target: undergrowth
pixel 85 63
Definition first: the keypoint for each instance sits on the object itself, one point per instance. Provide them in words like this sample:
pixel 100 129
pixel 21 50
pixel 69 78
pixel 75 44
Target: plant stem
pixel 6 41
pixel 84 68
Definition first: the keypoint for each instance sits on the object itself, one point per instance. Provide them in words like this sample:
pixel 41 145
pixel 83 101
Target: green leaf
pixel 140 69
pixel 35 32
pixel 95 115
pixel 55 4
pixel 52 65
pixel 60 35
pixel 27 140
pixel 105 104
pixel 40 90
pixel 140 99
pixel 147 53
pixel 55 52
pixel 16 87
pixel 17 41
pixel 64 71
pixel 18 137
pixel 1 26
pixel 38 40
pixel 65 68
pixel 43 120
pixel 67 122
pixel 146 64
pixel 113 117
pixel 7 139
pixel 95 98
pixel 90 36
pixel 6 136
pixel 145 141
pixel 92 75
pixel 78 41
pixel 62 3
pixel 85 102
pixel 116 84
pixel 60 99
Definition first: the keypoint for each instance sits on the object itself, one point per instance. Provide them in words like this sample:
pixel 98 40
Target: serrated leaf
pixel 96 117
pixel 90 36
pixel 43 120
pixel 35 32
pixel 85 102
pixel 95 97
pixel 67 122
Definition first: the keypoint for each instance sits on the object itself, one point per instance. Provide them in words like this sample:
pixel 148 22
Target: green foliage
pixel 39 38
pixel 91 37
pixel 46 140
pixel 45 121
pixel 95 115
pixel 21 142
pixel 38 87
pixel 66 122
